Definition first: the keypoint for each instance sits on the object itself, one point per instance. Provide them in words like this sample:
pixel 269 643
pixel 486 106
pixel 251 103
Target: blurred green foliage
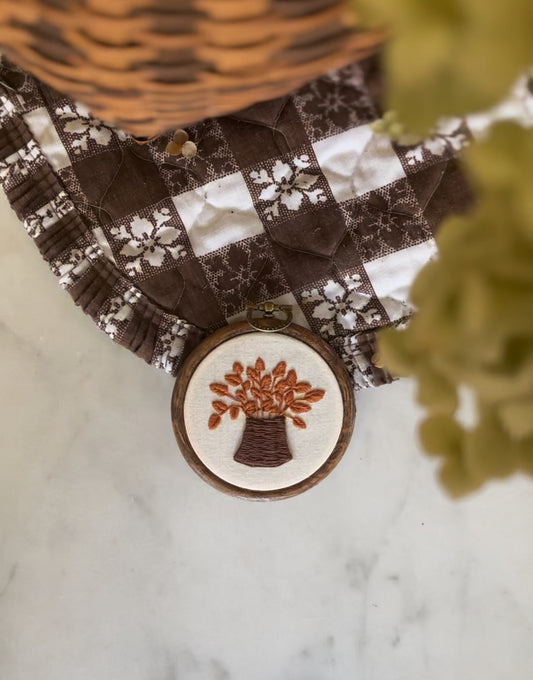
pixel 474 324
pixel 473 329
pixel 450 57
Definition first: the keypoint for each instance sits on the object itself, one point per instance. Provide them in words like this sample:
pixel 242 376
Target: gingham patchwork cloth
pixel 294 200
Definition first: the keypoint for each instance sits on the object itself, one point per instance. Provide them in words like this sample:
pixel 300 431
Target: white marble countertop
pixel 118 563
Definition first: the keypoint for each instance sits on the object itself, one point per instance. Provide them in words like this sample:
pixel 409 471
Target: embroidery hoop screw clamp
pixel 269 323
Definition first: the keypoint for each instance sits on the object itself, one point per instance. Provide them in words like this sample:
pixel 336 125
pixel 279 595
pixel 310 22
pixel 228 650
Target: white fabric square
pixel 218 213
pixel 42 128
pixel 357 161
pixel 391 276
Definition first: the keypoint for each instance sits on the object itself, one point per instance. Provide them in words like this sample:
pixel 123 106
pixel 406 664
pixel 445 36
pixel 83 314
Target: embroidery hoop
pixel 268 324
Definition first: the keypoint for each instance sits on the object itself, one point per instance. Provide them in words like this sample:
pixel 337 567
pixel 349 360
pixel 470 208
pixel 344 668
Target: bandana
pixel 294 200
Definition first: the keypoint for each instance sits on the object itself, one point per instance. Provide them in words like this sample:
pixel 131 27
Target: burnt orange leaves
pixel 259 394
pixel 219 389
pixel 214 421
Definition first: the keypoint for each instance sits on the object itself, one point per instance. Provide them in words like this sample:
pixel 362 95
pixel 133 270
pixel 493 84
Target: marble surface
pixel 118 563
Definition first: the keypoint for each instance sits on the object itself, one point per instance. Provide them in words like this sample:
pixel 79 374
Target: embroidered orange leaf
pixel 260 393
pixel 219 388
pixel 302 387
pixel 300 407
pixel 220 406
pixel 249 408
pixel 280 386
pixel 214 421
pixel 292 377
pixel 266 381
pixel 280 369
pixel 232 379
pixel 314 395
pixel 251 373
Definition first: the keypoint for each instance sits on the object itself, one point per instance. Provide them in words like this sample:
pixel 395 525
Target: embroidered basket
pixel 152 65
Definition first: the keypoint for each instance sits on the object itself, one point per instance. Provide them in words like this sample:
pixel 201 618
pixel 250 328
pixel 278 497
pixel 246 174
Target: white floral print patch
pixel 83 126
pixel 20 164
pixel 71 269
pixel 448 136
pixel 288 185
pixel 341 305
pixel 148 241
pixel 37 222
pixel 170 346
pixel 118 310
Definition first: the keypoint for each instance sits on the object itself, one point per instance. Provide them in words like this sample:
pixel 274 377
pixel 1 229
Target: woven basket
pixel 152 65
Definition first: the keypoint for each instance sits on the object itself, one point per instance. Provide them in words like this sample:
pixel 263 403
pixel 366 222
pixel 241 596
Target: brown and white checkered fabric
pixel 294 200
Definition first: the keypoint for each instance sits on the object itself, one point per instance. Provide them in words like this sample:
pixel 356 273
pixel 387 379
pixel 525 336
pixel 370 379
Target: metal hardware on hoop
pixel 268 323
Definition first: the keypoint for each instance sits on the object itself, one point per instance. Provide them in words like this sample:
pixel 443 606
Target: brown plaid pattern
pixel 294 200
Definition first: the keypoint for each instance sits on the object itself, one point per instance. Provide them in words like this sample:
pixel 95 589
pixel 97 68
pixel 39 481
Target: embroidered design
pixel 20 164
pixel 357 351
pixel 341 305
pixel 76 262
pixel 287 185
pixel 37 222
pixel 117 311
pixel 449 138
pixel 148 241
pixel 386 220
pixel 24 93
pixel 267 401
pixel 244 270
pixel 78 122
pixel 335 102
pixel 170 344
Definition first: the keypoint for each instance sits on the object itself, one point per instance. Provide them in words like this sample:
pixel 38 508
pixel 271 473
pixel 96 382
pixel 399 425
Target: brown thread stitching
pixel 267 400
pixel 264 443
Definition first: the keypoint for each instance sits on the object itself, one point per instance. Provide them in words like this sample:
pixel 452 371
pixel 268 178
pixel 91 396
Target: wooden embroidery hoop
pixel 268 323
